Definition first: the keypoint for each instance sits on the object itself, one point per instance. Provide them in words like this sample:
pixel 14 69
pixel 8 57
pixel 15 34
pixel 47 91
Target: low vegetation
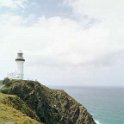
pixel 31 100
pixel 14 111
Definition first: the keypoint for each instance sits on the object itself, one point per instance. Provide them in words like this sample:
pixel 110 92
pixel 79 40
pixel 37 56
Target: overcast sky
pixel 65 42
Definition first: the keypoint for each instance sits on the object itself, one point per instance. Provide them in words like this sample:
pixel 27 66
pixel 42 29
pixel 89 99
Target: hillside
pixel 14 111
pixel 46 105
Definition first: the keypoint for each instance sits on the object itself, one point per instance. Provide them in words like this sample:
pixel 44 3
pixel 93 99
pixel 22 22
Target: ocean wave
pixel 97 122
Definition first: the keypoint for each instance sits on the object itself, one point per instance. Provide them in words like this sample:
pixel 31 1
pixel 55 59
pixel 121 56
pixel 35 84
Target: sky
pixel 65 42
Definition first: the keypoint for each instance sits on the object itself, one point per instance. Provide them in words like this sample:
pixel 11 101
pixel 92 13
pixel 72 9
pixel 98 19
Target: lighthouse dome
pixel 20 56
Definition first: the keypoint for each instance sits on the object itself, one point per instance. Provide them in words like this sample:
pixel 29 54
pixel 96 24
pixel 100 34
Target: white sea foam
pixel 97 122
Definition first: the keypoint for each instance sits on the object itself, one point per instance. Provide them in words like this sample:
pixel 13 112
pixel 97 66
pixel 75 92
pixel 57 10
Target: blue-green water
pixel 105 104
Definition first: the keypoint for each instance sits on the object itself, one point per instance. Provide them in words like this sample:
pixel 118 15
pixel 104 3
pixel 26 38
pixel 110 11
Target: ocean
pixel 105 104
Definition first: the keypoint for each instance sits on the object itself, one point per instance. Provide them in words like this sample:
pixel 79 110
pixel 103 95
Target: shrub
pixel 6 81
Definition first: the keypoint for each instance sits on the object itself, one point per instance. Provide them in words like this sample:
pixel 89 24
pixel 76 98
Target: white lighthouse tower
pixel 20 65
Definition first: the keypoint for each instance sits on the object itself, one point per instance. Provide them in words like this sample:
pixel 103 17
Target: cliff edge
pixel 45 105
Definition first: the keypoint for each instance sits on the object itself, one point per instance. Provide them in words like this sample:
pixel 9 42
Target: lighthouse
pixel 20 65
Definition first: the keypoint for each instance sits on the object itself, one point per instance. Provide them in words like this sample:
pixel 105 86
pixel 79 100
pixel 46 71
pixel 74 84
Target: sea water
pixel 105 104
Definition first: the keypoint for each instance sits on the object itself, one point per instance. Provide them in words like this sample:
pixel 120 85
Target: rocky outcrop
pixel 50 106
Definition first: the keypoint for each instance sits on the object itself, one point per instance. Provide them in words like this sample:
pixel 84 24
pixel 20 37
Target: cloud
pixel 12 3
pixel 63 49
pixel 59 38
pixel 53 46
pixel 96 8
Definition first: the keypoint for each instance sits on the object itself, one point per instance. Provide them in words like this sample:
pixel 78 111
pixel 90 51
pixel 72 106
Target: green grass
pixel 1 82
pixel 10 115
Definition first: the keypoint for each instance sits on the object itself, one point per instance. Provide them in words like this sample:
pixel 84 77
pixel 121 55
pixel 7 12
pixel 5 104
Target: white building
pixel 19 74
pixel 20 65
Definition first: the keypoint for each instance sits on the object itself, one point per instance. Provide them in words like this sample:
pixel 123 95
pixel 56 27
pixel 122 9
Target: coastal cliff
pixel 40 104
